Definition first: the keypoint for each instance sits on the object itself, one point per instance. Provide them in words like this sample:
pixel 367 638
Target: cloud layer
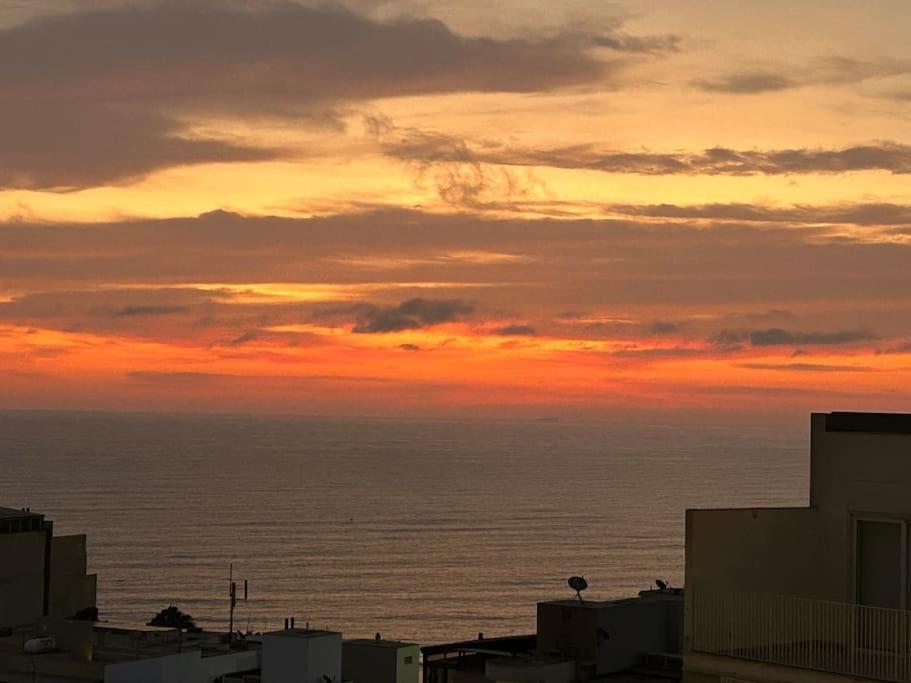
pixel 101 96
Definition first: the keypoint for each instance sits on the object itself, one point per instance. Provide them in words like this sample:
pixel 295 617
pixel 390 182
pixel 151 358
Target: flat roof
pixel 302 633
pixel 501 645
pixel 392 644
pixel 870 423
pixel 13 513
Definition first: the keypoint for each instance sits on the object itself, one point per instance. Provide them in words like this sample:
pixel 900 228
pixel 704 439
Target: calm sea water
pixel 429 530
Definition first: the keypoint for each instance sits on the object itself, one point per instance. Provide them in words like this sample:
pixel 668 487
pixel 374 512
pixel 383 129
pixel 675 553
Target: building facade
pixel 41 575
pixel 817 592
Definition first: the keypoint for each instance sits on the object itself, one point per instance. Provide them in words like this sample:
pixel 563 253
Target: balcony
pixel 838 638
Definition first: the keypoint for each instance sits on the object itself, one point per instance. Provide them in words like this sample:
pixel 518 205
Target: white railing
pixel 855 640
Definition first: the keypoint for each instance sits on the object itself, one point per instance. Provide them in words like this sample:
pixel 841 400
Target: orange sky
pixel 660 206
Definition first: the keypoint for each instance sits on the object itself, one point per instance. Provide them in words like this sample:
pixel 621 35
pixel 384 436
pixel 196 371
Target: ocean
pixel 427 530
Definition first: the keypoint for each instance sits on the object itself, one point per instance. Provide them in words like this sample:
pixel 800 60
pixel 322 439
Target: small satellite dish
pixel 662 585
pixel 578 584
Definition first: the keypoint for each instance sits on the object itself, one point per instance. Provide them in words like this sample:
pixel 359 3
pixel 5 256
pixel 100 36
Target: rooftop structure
pixel 819 591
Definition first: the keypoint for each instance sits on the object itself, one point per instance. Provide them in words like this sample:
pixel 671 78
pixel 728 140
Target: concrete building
pixel 614 640
pixel 41 575
pixel 814 593
pixel 81 651
pixel 298 655
pixel 374 660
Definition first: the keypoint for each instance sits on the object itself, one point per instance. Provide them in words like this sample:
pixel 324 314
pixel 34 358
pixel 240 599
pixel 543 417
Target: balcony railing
pixel 840 638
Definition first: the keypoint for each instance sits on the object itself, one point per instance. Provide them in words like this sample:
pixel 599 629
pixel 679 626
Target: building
pixel 636 638
pixel 84 652
pixel 41 575
pixel 301 655
pixel 375 660
pixel 813 593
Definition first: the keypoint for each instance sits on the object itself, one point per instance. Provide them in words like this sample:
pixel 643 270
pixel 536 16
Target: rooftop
pixel 392 644
pixel 871 423
pixel 302 633
pixel 14 513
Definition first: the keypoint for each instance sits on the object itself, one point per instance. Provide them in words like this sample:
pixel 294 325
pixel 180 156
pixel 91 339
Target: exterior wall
pixel 365 662
pixel 855 474
pixel 711 669
pixel 615 635
pixel 22 578
pixel 570 629
pixel 776 551
pixel 230 662
pixel 801 552
pixel 510 671
pixel 70 588
pixel 178 668
pixel 289 658
pixel 637 628
pixel 408 672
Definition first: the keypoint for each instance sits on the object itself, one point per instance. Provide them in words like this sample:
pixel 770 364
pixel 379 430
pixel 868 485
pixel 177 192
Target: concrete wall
pixel 515 670
pixel 291 658
pixel 856 474
pixel 230 662
pixel 613 635
pixel 70 588
pixel 21 578
pixel 805 552
pixel 762 550
pixel 177 668
pixel 366 662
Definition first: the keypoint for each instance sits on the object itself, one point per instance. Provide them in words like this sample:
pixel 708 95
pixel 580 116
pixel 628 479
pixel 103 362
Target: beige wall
pixel 855 475
pixel 806 552
pixel 803 552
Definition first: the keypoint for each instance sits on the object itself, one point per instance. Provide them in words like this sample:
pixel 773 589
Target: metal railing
pixel 840 638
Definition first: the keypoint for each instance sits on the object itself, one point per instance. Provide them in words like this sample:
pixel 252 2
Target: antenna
pixel 232 596
pixel 578 584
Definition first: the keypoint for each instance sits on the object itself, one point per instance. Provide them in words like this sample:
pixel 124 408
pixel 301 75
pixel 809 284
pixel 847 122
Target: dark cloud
pixel 659 353
pixel 516 331
pixel 409 347
pixel 779 337
pixel 660 327
pixel 855 214
pixel 644 44
pixel 410 315
pixel 100 96
pixel 832 70
pixel 89 143
pixel 746 83
pixel 804 367
pixel 133 311
pixel 427 148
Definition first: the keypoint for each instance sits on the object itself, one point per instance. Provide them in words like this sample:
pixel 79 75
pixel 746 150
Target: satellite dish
pixel 578 584
pixel 662 585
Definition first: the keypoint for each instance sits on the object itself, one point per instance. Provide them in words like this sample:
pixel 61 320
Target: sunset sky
pixel 464 207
